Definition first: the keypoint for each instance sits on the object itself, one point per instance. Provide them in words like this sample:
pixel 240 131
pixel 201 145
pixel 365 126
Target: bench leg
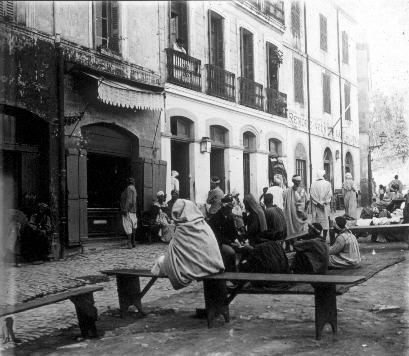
pixel 87 314
pixel 325 308
pixel 129 293
pixel 215 294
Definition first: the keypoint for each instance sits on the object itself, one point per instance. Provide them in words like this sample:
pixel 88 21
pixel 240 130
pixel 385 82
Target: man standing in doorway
pixel 215 196
pixel 128 210
pixel 321 194
pixel 294 206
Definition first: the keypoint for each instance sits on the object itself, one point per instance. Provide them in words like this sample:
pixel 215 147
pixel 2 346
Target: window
pixel 275 147
pixel 178 23
pixel 301 163
pixel 345 53
pixel 347 99
pixel 247 55
pixel 218 135
pixel 216 50
pixel 323 33
pixel 295 19
pixel 298 81
pixel 275 9
pixel 180 127
pixel 249 141
pixel 326 92
pixel 106 26
pixel 272 66
pixel 8 10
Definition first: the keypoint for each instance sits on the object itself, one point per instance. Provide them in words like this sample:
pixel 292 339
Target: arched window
pixel 218 135
pixel 301 162
pixel 249 141
pixel 180 127
pixel 349 164
pixel 275 147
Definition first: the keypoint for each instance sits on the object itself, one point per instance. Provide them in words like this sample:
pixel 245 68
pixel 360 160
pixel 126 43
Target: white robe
pixel 321 192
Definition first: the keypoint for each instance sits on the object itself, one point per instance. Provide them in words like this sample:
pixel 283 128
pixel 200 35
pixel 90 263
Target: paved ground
pixel 29 281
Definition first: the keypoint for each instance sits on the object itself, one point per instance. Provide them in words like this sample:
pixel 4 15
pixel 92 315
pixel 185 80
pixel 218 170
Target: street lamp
pixel 382 140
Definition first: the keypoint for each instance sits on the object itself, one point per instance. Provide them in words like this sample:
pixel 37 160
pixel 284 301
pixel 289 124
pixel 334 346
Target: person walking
pixel 214 198
pixel 321 194
pixel 350 192
pixel 128 210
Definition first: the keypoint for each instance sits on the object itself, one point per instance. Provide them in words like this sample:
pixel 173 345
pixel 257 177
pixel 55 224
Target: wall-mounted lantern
pixel 205 145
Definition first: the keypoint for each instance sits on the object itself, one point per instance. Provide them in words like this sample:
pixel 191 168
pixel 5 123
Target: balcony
pixel 276 102
pixel 183 70
pixel 220 83
pixel 251 94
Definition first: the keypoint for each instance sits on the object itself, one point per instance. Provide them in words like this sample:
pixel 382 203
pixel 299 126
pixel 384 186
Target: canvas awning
pixel 127 96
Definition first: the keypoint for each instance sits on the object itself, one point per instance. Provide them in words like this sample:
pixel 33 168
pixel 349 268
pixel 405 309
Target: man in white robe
pixel 321 194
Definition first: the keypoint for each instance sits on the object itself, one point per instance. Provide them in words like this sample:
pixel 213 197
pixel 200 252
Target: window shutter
pixel 220 43
pixel 347 99
pixel 323 33
pixel 183 29
pixel 98 23
pixel 8 10
pixel 272 67
pixel 295 19
pixel 298 81
pixel 114 27
pixel 246 47
pixel 326 92
pixel 345 54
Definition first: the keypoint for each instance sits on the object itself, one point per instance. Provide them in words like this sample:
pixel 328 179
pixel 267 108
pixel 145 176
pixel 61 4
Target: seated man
pixel 311 254
pixel 344 253
pixel 224 226
pixel 160 216
pixel 276 225
pixel 41 229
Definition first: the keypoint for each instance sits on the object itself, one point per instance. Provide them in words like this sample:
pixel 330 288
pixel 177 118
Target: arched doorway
pixel 349 163
pixel 249 145
pixel 111 152
pixel 182 135
pixel 301 163
pixel 329 166
pixel 219 137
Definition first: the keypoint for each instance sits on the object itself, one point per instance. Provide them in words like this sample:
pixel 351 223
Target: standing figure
pixel 128 210
pixel 321 194
pixel 277 192
pixel 397 181
pixel 215 196
pixel 174 181
pixel 350 192
pixel 294 200
pixel 161 217
pixel 275 219
pixel 40 226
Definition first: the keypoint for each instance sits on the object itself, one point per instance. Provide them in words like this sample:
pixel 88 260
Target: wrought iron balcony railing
pixel 251 94
pixel 183 70
pixel 220 83
pixel 276 102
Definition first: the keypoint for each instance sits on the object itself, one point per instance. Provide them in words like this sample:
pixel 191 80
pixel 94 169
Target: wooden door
pixel 217 166
pixel 246 172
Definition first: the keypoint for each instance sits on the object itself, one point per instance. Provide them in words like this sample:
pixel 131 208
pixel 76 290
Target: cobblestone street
pixel 31 281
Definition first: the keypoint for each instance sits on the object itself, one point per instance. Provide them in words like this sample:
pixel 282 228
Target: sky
pixel 385 26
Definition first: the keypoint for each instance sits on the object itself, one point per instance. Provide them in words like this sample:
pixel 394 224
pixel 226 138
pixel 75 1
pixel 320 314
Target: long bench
pixel 82 298
pixel 377 229
pixel 218 297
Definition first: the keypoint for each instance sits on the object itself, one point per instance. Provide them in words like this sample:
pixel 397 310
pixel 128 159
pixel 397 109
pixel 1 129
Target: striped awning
pixel 127 96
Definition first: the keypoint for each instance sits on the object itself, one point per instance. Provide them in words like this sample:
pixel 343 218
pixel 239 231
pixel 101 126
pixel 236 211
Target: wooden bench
pixel 83 299
pixel 375 229
pixel 218 297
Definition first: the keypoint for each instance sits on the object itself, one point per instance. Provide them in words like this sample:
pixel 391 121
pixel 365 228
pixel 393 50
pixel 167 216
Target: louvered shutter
pixel 298 81
pixel 326 92
pixel 114 27
pixel 272 67
pixel 295 19
pixel 347 99
pixel 323 33
pixel 183 25
pixel 219 42
pixel 345 54
pixel 246 46
pixel 8 10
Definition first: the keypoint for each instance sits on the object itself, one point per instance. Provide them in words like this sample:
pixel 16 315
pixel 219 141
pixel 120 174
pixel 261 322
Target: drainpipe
pixel 308 94
pixel 340 101
pixel 62 172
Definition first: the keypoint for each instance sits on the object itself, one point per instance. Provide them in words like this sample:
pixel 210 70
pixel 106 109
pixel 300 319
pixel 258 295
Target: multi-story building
pixel 81 101
pixel 259 79
pixel 96 91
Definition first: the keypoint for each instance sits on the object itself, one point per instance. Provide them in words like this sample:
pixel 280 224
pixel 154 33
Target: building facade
pixel 260 79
